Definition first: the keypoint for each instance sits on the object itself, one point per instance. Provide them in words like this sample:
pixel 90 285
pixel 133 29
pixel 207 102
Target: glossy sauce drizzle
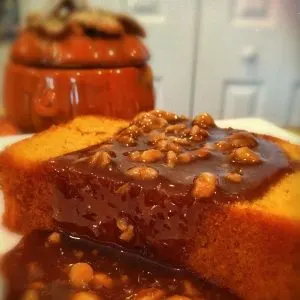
pixel 56 266
pixel 154 186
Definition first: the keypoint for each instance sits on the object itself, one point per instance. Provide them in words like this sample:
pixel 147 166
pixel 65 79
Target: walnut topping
pixel 54 238
pixel 242 139
pixel 166 145
pixel 35 272
pixel 170 117
pixel 201 152
pixel 197 131
pixel 128 234
pixel 204 185
pixel 171 159
pixel 85 296
pixel 37 285
pixel 101 159
pixel 150 294
pixel 126 140
pixel 147 156
pixel 81 274
pixel 155 137
pixel 190 289
pixel 132 131
pixel 245 155
pixel 102 280
pixel 123 189
pixel 31 294
pixel 234 177
pixel 180 141
pixel 204 121
pixel 151 155
pixel 78 254
pixel 223 146
pixel 178 297
pixel 176 128
pixel 186 157
pixel 142 173
pixel 148 121
pixel 122 224
pixel 127 230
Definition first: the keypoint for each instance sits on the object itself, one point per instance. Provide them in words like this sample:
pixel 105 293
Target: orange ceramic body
pixel 49 81
pixel 36 98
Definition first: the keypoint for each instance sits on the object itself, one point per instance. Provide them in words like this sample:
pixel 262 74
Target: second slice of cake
pixel 221 202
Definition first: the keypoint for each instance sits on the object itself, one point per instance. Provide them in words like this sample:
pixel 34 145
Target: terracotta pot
pixel 52 80
pixel 37 98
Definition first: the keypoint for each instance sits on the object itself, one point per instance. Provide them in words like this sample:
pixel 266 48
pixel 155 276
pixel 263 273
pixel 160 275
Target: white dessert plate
pixel 9 239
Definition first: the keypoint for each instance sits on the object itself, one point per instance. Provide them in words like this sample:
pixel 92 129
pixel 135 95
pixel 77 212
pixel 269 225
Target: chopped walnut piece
pixel 148 121
pixel 122 224
pixel 242 139
pixel 126 140
pixel 127 230
pixel 178 297
pixel 123 189
pixel 101 159
pixel 124 279
pixel 155 137
pixel 54 238
pixel 150 294
pixel 102 280
pixel 204 120
pixel 35 272
pixel 31 294
pixel 151 155
pixel 223 146
pixel 200 135
pixel 170 117
pixel 85 296
pixel 195 130
pixel 171 159
pixel 201 152
pixel 135 155
pixel 80 275
pixel 180 141
pixel 78 254
pixel 234 177
pixel 185 157
pixel 165 145
pixel 37 285
pixel 176 128
pixel 132 131
pixel 190 289
pixel 245 155
pixel 142 173
pixel 204 185
pixel 128 234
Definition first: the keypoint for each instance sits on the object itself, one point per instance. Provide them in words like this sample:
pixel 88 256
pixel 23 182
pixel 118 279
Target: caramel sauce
pixel 39 266
pixel 165 217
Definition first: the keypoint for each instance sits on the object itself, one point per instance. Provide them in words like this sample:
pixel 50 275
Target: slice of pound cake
pixel 22 183
pixel 223 203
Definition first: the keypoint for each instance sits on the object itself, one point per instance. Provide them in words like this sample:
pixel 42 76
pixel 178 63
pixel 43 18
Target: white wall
pixel 202 54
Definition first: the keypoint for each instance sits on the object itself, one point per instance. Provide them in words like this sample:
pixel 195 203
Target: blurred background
pixel 231 58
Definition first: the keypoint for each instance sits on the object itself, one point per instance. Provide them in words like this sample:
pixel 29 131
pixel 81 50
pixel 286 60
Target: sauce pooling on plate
pixel 57 266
